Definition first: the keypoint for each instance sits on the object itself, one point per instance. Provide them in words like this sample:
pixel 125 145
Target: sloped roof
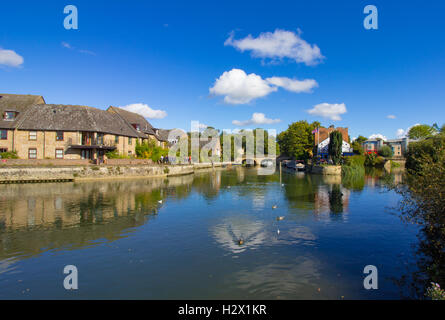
pixel 74 118
pixel 18 103
pixel 134 118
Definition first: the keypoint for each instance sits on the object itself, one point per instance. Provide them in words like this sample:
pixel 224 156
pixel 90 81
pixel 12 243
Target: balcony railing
pixel 94 142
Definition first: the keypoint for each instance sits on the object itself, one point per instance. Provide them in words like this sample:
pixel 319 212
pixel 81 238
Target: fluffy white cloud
pixel 145 111
pixel 277 45
pixel 257 118
pixel 401 133
pixel 292 84
pixel 10 58
pixel 329 111
pixel 239 87
pixel 391 116
pixel 377 136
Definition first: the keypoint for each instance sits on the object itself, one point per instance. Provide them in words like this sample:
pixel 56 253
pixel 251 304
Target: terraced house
pixel 36 130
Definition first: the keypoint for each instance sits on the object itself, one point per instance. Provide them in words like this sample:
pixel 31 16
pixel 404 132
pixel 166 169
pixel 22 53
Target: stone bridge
pixel 254 161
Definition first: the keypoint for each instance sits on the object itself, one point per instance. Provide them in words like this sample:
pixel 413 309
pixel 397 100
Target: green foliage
pixel 427 149
pixel 298 141
pixel 149 150
pixel 357 147
pixel 386 151
pixel 371 160
pixel 423 203
pixel 421 131
pixel 395 165
pixel 9 155
pixel 355 161
pixel 335 146
pixel 116 155
pixel 361 139
pixel 435 292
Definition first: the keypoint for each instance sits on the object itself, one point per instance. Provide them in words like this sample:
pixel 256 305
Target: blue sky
pixel 169 55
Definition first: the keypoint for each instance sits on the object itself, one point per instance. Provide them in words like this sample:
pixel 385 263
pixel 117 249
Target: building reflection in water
pixel 39 217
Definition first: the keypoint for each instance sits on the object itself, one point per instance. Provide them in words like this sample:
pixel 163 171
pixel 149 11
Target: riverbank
pixel 29 174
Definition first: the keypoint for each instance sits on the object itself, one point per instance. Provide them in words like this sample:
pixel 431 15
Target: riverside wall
pixel 12 174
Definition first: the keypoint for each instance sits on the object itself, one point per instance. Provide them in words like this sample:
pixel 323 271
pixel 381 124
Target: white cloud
pixel 257 118
pixel 391 116
pixel 66 45
pixel 377 136
pixel 401 133
pixel 278 45
pixel 145 111
pixel 69 46
pixel 329 111
pixel 239 87
pixel 293 85
pixel 10 58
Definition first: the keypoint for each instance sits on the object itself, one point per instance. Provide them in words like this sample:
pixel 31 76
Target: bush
pixel 116 155
pixel 424 150
pixel 357 148
pixel 9 155
pixel 372 160
pixel 355 161
pixel 386 151
pixel 395 165
pixel 149 150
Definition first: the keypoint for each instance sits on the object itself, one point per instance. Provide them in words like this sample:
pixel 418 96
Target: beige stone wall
pixel 7 144
pixel 123 146
pixel 46 144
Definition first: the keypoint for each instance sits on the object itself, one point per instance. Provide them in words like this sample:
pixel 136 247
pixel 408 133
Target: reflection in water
pixel 197 226
pixel 36 218
pixel 232 229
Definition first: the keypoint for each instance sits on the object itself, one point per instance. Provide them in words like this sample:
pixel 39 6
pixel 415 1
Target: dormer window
pixel 9 115
pixel 136 126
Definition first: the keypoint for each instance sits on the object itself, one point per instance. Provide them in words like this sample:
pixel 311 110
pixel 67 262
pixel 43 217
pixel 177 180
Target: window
pixel 59 136
pixel 136 126
pixel 59 153
pixel 32 135
pixel 32 153
pixel 116 139
pixel 130 140
pixel 4 134
pixel 3 150
pixel 9 115
pixel 129 153
pixel 100 138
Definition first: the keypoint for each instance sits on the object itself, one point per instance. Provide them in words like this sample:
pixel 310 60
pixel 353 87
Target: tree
pixel 423 203
pixel 361 139
pixel 357 147
pixel 421 131
pixel 298 140
pixel 424 150
pixel 386 151
pixel 335 146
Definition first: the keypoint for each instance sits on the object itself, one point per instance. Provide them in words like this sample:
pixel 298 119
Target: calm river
pixel 128 244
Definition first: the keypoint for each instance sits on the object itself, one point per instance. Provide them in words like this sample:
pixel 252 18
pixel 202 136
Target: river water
pixel 179 238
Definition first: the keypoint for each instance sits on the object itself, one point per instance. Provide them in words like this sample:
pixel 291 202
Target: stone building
pixel 36 130
pixel 144 129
